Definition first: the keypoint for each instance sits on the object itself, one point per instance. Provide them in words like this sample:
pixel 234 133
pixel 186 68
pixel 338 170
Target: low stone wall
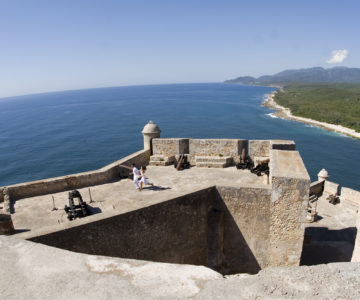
pixel 282 145
pixel 331 188
pixel 356 253
pixel 350 196
pixel 289 200
pixel 75 181
pixel 217 147
pixel 170 147
pixel 259 148
pixel 316 188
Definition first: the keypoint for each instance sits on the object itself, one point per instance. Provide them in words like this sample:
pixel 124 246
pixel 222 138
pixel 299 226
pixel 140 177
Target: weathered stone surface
pixel 289 201
pixel 282 145
pixel 170 146
pixel 350 196
pixel 6 224
pixel 173 231
pixel 75 181
pixel 150 131
pixel 331 188
pixel 259 148
pixel 356 253
pixel 316 188
pixel 246 223
pixel 216 147
pixel 7 199
pixel 213 161
pixel 161 160
pixel 35 271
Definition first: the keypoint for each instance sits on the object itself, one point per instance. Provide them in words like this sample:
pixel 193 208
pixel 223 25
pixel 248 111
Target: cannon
pixel 182 163
pixel 262 167
pixel 247 163
pixel 79 210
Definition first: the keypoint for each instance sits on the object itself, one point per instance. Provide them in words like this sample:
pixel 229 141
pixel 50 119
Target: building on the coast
pixel 212 214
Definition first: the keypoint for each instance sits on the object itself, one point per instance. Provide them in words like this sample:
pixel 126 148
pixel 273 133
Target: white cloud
pixel 338 56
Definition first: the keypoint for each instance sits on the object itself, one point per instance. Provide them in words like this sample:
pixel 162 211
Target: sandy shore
pixel 285 113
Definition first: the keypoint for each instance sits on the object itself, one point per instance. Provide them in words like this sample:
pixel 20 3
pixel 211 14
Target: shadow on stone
pixel 21 230
pixel 196 229
pixel 325 246
pixel 93 210
pixel 157 188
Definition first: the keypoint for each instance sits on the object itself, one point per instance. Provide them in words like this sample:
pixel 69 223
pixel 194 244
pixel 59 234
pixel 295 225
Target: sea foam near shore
pixel 285 113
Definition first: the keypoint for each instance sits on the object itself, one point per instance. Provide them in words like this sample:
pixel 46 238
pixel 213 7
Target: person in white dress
pixel 136 175
pixel 144 181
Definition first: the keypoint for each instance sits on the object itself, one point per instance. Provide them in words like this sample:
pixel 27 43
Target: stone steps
pixel 160 160
pixel 213 161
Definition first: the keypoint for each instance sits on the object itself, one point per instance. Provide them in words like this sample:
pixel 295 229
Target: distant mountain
pixel 317 74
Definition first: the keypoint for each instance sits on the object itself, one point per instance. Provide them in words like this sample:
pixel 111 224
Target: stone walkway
pixel 121 196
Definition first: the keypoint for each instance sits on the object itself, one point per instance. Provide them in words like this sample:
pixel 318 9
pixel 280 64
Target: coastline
pixel 285 113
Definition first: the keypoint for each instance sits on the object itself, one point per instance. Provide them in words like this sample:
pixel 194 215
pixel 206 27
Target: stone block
pixel 282 145
pixel 350 196
pixel 6 224
pixel 170 147
pixel 356 252
pixel 289 200
pixel 216 147
pixel 316 188
pixel 160 160
pixel 213 161
pixel 331 188
pixel 259 148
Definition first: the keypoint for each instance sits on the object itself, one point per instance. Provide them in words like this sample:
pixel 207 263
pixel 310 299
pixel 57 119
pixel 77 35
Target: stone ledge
pixel 131 279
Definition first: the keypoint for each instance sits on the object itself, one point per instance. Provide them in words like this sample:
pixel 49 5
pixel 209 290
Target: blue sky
pixel 60 45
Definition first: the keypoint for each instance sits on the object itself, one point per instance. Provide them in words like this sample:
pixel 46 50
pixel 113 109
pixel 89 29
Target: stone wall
pixel 170 147
pixel 174 231
pixel 350 197
pixel 331 188
pixel 259 148
pixel 356 253
pixel 226 228
pixel 246 223
pixel 217 147
pixel 316 188
pixel 289 200
pixel 75 181
pixel 282 145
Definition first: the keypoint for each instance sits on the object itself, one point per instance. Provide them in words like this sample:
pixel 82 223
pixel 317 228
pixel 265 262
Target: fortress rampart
pixel 227 219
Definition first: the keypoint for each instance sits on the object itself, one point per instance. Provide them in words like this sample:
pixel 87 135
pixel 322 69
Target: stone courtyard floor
pixel 35 213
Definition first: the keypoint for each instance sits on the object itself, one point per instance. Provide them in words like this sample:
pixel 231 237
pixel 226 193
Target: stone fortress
pixel 200 232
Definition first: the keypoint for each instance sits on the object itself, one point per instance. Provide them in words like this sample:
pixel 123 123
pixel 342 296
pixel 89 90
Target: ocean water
pixel 60 133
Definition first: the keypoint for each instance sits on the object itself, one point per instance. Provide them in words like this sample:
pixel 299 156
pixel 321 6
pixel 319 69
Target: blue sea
pixel 53 134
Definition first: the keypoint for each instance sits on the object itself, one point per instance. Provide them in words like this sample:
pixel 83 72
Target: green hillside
pixel 336 103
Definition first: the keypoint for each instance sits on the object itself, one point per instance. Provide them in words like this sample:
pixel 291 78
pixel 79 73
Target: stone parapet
pixel 316 188
pixel 170 146
pixel 350 197
pixel 282 145
pixel 6 224
pixel 331 188
pixel 217 147
pixel 247 225
pixel 289 200
pixel 213 161
pixel 259 148
pixel 79 180
pixel 161 160
pixel 356 253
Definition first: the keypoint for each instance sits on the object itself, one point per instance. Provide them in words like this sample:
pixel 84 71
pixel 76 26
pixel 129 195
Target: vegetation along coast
pixel 271 101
